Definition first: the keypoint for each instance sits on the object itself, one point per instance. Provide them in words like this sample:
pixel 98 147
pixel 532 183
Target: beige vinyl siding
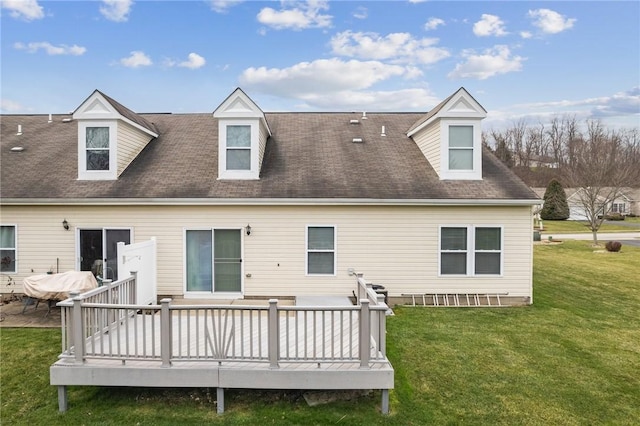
pixel 396 246
pixel 428 140
pixel 130 142
pixel 262 143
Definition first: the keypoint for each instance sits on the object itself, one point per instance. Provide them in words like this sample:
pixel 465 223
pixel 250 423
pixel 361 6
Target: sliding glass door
pixel 214 261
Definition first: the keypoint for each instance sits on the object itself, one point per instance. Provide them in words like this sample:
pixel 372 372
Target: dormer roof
pixel 100 106
pixel 459 104
pixel 239 105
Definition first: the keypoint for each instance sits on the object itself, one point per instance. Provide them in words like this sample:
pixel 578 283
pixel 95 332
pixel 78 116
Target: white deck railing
pixel 105 323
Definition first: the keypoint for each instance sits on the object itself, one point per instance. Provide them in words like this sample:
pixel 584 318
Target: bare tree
pixel 600 164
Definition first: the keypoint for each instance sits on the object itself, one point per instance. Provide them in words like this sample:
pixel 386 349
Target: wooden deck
pixel 260 347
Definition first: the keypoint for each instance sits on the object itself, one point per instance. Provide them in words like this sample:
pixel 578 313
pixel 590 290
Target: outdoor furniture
pixel 55 287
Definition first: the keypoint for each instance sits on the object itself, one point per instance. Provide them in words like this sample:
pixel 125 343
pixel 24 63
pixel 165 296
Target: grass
pixel 572 358
pixel 576 226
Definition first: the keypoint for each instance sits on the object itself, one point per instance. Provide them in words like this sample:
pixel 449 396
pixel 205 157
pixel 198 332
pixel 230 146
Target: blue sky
pixel 520 60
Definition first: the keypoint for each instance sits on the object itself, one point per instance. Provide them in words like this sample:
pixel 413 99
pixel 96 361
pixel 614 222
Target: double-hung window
pixel 470 250
pixel 8 249
pixel 461 148
pixel 321 250
pixel 97 148
pixel 238 147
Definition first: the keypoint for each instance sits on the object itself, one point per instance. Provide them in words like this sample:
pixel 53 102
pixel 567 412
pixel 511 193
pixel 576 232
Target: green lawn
pixel 573 358
pixel 575 226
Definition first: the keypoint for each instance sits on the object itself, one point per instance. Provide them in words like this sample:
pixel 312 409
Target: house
pixel 626 203
pixel 250 204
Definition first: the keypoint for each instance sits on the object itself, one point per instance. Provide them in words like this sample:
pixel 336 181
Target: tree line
pixel 598 161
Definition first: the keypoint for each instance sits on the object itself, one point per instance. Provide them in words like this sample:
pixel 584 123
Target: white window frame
pixel 15 248
pixel 254 171
pixel 83 173
pixel 471 250
pixel 619 208
pixel 476 172
pixel 211 294
pixel 334 251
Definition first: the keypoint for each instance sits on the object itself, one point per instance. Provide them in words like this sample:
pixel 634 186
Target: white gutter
pixel 264 202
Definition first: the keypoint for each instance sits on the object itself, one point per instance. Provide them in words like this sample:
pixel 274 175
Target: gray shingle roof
pixel 310 155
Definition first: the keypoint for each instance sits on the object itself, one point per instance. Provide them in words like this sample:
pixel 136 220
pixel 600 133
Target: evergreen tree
pixel 555 205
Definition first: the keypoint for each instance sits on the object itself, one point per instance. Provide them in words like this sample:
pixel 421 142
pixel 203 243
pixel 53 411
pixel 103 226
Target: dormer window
pixel 110 136
pixel 450 137
pixel 461 149
pixel 238 147
pixel 97 159
pixel 97 139
pixel 242 136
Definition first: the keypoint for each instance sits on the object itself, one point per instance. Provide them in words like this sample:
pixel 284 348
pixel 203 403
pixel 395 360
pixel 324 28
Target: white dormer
pixel 242 137
pixel 450 137
pixel 110 136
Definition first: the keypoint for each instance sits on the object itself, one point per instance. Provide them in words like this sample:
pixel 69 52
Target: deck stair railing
pixel 105 323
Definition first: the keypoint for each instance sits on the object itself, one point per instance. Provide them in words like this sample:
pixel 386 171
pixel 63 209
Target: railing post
pixel 274 334
pixel 382 336
pixel 165 333
pixel 78 332
pixel 362 294
pixel 365 333
pixel 133 290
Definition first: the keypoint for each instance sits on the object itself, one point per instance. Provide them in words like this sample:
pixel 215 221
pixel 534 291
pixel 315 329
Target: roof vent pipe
pixel 382 132
pixel 364 115
pixel 354 121
pixel 50 119
pixel 19 130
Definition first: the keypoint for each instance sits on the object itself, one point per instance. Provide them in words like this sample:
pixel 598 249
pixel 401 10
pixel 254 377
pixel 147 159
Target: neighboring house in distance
pixel 628 203
pixel 248 204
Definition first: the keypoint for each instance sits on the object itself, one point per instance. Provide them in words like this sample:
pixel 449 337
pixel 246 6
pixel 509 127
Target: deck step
pixel 455 299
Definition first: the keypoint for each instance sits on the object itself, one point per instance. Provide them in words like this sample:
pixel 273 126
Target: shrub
pixel 613 246
pixel 555 202
pixel 614 216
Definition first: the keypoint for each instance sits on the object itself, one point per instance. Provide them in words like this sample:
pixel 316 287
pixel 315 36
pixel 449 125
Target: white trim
pixel 268 202
pixel 449 110
pixel 476 172
pixel 112 173
pixel 15 243
pixel 334 251
pixel 254 171
pixel 471 250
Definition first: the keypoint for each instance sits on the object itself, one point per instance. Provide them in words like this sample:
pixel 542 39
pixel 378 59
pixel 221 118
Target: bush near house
pixel 613 246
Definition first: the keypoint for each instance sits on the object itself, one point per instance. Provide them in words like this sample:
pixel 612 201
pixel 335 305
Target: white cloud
pixel 489 25
pixel 136 59
pixel 620 103
pixel 50 49
pixel 8 106
pixel 397 47
pixel 550 22
pixel 361 13
pixel 302 16
pixel 492 62
pixel 222 6
pixel 195 61
pixel 416 99
pixel 323 75
pixel 23 9
pixel 526 34
pixel 116 10
pixel 433 23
